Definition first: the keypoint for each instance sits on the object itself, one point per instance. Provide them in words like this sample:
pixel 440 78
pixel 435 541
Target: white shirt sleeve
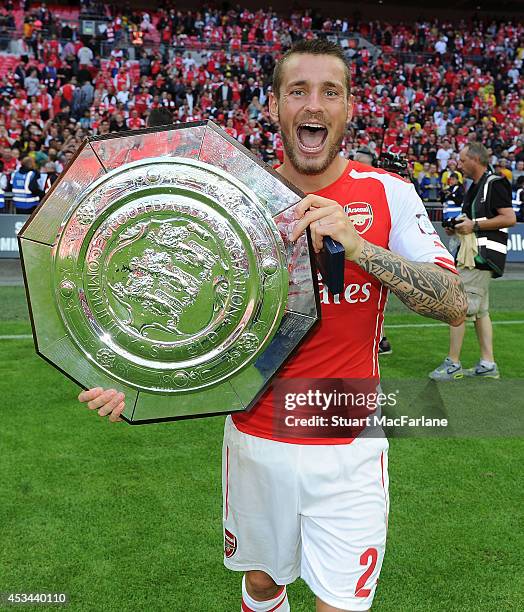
pixel 412 234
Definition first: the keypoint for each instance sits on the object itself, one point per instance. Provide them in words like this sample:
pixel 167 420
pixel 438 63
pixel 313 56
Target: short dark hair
pixel 159 116
pixel 316 46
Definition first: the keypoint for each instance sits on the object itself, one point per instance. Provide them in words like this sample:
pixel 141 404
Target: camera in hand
pixel 393 163
pixel 453 222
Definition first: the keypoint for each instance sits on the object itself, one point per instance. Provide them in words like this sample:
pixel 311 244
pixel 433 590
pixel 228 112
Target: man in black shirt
pixel 488 212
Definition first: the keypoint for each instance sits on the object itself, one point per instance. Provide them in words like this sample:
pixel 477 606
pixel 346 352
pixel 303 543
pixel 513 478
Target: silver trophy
pixel 160 265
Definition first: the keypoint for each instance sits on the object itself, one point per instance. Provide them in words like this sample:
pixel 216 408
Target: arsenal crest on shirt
pixel 361 215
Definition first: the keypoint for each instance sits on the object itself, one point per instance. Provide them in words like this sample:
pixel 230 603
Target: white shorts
pixel 315 511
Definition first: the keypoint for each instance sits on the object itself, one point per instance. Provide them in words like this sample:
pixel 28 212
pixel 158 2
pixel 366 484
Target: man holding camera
pixel 482 229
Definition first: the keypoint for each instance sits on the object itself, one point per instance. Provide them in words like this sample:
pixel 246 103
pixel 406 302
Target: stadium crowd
pixel 431 88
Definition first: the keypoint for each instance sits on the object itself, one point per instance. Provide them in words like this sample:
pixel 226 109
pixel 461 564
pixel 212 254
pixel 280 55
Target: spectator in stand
pixel 441 45
pixel 52 175
pixel 159 116
pixel 36 154
pixel 255 109
pixel 118 123
pixel 444 154
pixel 442 120
pixel 429 148
pixel 49 176
pixel 10 159
pixel 250 91
pixel 429 182
pixel 135 122
pixel 85 56
pixel 364 155
pixel 32 84
pixel 451 169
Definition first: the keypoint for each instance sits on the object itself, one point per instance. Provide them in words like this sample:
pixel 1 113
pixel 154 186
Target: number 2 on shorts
pixel 365 557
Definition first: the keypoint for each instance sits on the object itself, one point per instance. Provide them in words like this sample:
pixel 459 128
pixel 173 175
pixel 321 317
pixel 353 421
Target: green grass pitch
pixel 129 518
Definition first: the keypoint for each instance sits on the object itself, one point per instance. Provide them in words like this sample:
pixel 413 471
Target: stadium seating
pixel 415 87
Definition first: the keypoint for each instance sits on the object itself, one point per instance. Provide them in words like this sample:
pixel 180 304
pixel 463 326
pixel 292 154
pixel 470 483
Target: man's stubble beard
pixel 309 169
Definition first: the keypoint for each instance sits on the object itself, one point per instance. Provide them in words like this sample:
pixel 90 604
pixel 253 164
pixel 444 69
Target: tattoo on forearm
pixel 424 287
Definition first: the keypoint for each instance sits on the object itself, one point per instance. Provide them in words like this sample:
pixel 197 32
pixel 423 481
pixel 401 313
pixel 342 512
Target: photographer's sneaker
pixel 447 370
pixel 483 371
pixel 384 347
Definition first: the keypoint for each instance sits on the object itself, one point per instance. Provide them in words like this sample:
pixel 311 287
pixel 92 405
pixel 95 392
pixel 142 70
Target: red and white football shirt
pixel 385 210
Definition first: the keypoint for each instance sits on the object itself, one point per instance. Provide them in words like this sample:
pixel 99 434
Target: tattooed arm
pixel 424 287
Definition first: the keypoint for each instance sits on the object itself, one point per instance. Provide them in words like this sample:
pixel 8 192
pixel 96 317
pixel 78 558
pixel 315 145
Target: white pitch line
pixel 410 325
pixel 19 337
pixel 388 325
